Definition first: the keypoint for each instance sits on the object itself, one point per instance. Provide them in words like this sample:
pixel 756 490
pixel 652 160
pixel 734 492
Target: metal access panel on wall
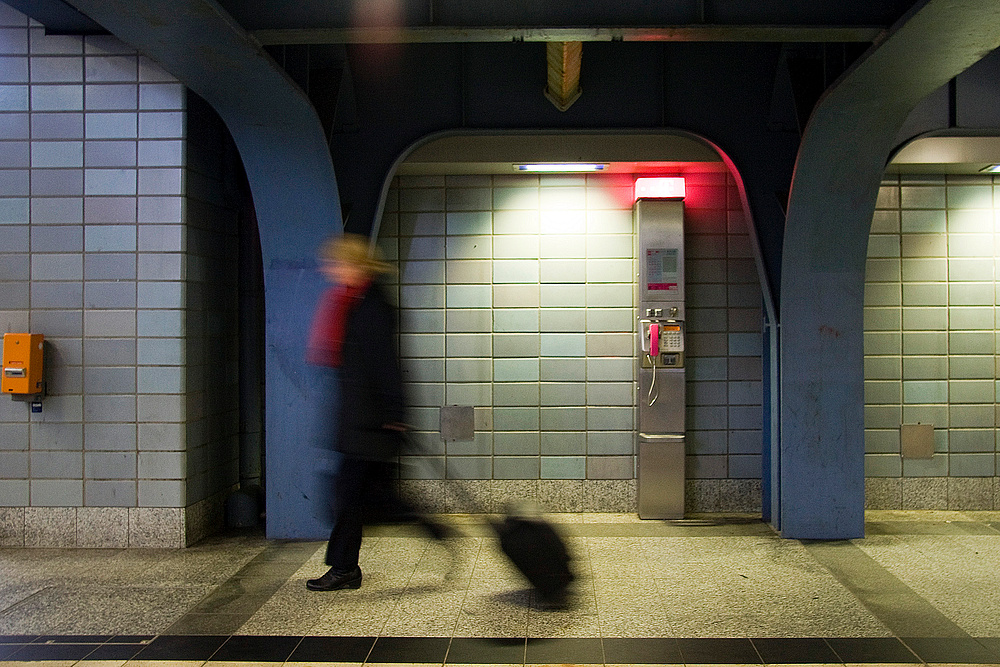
pixel 660 358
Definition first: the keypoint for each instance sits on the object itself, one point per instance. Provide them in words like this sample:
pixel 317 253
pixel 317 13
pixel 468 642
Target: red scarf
pixel 329 327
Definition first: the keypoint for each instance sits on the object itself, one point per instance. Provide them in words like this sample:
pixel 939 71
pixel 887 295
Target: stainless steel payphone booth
pixel 660 357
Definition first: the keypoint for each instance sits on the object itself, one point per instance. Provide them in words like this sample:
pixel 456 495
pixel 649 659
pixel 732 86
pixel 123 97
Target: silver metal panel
pixel 916 441
pixel 660 297
pixel 458 423
pixel 661 477
pixel 660 225
pixel 666 415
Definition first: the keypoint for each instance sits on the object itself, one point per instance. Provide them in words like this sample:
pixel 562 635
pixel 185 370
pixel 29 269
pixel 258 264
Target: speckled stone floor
pixel 921 587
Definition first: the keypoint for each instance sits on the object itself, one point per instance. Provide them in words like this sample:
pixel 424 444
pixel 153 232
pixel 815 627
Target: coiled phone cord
pixel 654 391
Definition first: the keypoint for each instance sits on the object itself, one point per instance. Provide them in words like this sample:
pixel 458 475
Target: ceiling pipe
pixel 463 34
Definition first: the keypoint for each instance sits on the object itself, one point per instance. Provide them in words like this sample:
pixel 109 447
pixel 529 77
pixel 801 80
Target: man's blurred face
pixel 344 273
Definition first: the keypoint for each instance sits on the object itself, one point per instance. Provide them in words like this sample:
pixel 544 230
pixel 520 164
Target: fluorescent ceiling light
pixel 563 167
pixel 991 169
pixel 660 187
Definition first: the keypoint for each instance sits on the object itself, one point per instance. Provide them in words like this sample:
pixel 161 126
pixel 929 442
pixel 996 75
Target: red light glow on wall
pixel 659 187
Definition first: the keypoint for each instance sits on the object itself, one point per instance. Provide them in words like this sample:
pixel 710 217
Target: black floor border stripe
pixel 32 648
pixel 513 650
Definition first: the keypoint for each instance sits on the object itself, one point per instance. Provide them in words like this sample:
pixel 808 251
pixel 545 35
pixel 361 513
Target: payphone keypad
pixel 672 339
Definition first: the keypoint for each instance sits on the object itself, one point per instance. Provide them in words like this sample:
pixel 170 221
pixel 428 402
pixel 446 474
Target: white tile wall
pixel 95 134
pixel 536 298
pixel 930 330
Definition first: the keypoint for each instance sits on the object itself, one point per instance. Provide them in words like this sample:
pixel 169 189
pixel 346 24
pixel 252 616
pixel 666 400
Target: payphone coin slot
pixel 665 360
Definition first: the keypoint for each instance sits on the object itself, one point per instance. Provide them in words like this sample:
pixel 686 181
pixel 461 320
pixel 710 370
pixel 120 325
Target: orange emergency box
pixel 22 363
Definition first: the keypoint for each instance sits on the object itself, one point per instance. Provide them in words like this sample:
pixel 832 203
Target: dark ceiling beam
pixel 677 33
pixel 58 17
pixel 268 14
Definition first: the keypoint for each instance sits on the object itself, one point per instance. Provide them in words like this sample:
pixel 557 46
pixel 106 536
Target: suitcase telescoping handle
pixel 525 509
pixel 422 456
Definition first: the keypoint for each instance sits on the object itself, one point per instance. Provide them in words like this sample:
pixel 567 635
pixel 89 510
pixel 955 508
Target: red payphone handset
pixel 654 340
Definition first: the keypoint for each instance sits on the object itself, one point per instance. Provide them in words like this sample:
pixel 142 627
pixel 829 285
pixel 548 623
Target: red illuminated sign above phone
pixel 659 187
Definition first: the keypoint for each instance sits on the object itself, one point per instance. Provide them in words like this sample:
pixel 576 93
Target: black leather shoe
pixel 335 581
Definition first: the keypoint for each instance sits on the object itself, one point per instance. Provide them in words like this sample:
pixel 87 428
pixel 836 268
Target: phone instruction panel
pixel 661 269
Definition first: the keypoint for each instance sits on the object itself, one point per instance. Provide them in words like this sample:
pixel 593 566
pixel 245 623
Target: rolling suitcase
pixel 539 553
pixel 534 547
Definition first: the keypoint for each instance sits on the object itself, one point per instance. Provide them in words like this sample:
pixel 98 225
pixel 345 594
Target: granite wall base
pixel 110 527
pixel 932 493
pixel 492 496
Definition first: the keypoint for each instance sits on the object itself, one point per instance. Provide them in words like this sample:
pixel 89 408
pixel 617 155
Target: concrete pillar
pixel 840 164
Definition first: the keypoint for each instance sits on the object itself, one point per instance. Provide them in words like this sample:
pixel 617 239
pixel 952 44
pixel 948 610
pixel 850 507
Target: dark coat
pixel 371 384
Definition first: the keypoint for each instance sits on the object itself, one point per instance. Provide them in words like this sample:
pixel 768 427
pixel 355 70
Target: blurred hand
pixel 397 426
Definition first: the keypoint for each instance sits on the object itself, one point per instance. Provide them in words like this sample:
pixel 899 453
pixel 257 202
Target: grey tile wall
pixel 98 246
pixel 208 349
pixel 516 296
pixel 930 328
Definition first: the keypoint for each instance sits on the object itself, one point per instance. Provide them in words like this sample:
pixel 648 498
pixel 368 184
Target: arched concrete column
pixel 285 153
pixel 839 167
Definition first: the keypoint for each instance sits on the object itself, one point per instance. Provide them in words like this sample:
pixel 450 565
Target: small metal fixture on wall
pixel 458 423
pixel 564 60
pixel 916 441
pixel 22 377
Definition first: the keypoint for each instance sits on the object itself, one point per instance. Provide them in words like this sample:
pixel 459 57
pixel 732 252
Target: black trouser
pixel 365 491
